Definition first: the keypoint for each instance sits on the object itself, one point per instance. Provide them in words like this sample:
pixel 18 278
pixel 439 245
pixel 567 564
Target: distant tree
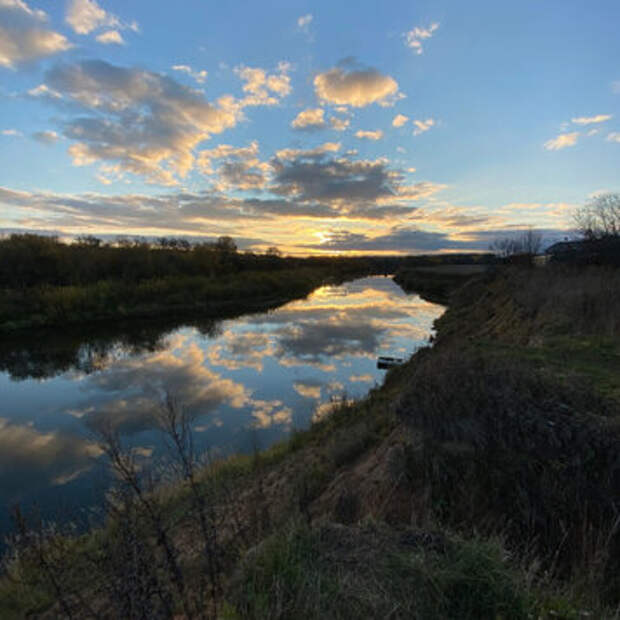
pixel 273 251
pixel 528 243
pixel 226 245
pixel 600 217
pixel 88 240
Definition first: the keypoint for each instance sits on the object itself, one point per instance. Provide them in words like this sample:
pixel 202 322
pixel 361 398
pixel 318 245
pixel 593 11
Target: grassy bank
pixel 172 296
pixel 480 481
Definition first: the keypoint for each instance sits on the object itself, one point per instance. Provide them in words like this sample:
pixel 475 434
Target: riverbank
pixel 179 297
pixel 479 481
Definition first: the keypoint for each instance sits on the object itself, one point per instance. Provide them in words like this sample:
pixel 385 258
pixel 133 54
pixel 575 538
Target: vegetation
pixel 480 481
pixel 47 282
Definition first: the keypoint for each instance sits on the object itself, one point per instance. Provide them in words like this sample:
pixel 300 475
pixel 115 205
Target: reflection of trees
pixel 48 353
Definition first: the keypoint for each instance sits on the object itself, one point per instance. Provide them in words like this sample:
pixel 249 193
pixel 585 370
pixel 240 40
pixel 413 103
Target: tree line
pixel 28 260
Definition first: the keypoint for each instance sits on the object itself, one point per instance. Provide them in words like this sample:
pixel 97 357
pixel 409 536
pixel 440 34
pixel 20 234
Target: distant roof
pixel 565 246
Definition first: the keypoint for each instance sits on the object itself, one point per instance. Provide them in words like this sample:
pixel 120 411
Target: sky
pixel 316 127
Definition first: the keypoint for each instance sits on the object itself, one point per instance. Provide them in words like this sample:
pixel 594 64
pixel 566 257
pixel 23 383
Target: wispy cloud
pixel 614 136
pixel 399 120
pixel 46 137
pixel 423 125
pixel 562 141
pixel 339 124
pixel 110 37
pixel 199 76
pixel 589 120
pixel 416 35
pixel 12 133
pixel 369 135
pixel 303 22
pixel 86 16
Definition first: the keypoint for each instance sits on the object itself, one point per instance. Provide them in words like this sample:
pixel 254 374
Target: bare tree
pixel 528 243
pixel 600 217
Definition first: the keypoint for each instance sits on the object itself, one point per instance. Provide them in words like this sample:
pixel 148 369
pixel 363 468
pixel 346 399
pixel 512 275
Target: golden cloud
pixel 355 88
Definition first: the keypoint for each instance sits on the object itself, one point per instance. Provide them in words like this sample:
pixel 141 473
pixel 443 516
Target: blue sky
pixel 313 126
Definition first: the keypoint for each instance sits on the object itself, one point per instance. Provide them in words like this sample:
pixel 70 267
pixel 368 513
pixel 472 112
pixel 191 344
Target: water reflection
pixel 245 380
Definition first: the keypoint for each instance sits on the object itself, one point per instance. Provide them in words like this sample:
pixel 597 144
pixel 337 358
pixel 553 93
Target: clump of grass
pixel 370 571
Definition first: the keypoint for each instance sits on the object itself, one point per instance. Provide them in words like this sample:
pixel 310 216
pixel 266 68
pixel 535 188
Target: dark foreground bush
pixel 500 447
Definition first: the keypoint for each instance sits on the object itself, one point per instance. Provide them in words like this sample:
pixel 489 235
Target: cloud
pixel 310 390
pixel 399 239
pixel 614 136
pixel 86 16
pixel 144 380
pixel 422 126
pixel 355 88
pixel 399 120
pixel 199 76
pixel 262 87
pixel 588 120
pixel 137 121
pixel 369 135
pixel 24 36
pixel 110 37
pixel 310 119
pixel 303 22
pixel 339 124
pixel 416 35
pixel 46 137
pixel 315 153
pixel 562 141
pixel 43 91
pixel 41 458
pixel 12 133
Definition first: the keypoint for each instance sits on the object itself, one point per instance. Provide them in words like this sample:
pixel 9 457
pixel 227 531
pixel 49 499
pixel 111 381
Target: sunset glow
pixel 310 126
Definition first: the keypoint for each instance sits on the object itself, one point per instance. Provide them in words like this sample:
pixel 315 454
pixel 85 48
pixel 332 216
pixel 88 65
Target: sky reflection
pixel 244 381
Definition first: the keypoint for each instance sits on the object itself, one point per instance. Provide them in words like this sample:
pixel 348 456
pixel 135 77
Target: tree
pixel 226 245
pixel 527 243
pixel 600 217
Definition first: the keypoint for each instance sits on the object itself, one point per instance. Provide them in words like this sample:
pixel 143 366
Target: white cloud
pixel 615 87
pixel 399 120
pixel 86 16
pixel 355 88
pixel 24 36
pixel 110 37
pixel 562 141
pixel 42 90
pixel 12 132
pixel 339 124
pixel 310 119
pixel 369 135
pixel 263 88
pixel 422 126
pixel 46 137
pixel 589 120
pixel 416 35
pixel 199 76
pixel 303 22
pixel 614 136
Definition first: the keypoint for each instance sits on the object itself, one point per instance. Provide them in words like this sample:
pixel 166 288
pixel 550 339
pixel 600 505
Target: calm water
pixel 247 381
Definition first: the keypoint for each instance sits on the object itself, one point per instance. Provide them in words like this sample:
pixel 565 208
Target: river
pixel 246 382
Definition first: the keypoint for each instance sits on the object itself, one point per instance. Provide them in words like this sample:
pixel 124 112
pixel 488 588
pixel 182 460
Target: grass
pixel 371 571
